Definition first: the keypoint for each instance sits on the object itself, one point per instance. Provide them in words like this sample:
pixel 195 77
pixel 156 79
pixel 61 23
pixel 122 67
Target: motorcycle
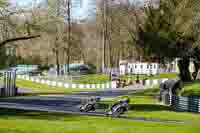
pixel 90 105
pixel 118 108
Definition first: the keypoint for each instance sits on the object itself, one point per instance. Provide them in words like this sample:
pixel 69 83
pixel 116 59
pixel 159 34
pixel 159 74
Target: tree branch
pixel 3 43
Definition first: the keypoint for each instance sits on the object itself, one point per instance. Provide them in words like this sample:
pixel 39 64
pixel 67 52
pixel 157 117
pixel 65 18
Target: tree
pixel 116 25
pixel 195 32
pixel 167 33
pixel 8 28
pixel 63 35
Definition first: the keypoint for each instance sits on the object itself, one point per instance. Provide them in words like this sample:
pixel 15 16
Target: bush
pixel 93 68
pixel 44 67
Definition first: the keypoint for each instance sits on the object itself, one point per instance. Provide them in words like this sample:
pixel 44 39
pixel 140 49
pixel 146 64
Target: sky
pixel 26 2
pixel 22 2
pixel 77 12
pixel 85 10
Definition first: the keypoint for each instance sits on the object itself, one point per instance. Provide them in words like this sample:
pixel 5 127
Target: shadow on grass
pixel 43 93
pixel 149 107
pixel 148 92
pixel 38 115
pixel 51 93
pixel 141 107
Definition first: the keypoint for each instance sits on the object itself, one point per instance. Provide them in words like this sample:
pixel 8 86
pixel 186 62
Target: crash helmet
pixel 93 99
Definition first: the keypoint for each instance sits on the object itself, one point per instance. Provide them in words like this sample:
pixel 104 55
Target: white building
pixel 153 68
pixel 139 68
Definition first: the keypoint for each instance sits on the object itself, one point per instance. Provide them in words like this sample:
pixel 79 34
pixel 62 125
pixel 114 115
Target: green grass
pixel 145 104
pixel 191 89
pixel 83 79
pixel 102 78
pixel 162 75
pixel 92 79
pixel 15 121
pixel 46 89
pixel 149 108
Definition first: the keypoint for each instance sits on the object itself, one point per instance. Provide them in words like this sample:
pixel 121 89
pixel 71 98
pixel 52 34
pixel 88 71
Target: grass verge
pixel 92 79
pixel 16 121
pixel 102 78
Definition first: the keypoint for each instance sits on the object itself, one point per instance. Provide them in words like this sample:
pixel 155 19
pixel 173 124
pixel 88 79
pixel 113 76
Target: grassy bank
pixel 141 77
pixel 191 89
pixel 145 104
pixel 102 78
pixel 46 89
pixel 92 79
pixel 81 79
pixel 15 121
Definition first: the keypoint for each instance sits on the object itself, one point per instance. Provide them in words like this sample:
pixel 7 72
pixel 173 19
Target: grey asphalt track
pixel 69 103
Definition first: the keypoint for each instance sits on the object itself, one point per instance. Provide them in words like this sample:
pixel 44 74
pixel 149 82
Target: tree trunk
pixel 57 63
pixel 197 67
pixel 69 35
pixel 183 65
pixel 68 63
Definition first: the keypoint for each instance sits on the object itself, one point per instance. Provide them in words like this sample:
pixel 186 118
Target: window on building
pixel 141 66
pixel 147 66
pixel 135 66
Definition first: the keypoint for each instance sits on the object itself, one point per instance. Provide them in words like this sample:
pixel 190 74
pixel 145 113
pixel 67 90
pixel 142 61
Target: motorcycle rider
pixel 120 104
pixel 90 105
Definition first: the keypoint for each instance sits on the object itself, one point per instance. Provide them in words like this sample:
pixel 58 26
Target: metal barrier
pixel 8 87
pixel 186 104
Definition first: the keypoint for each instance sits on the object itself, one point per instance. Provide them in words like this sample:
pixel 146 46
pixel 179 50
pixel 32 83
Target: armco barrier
pixel 186 104
pixel 8 87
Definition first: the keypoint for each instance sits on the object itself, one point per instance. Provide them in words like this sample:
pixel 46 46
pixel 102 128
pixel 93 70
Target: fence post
pixel 9 83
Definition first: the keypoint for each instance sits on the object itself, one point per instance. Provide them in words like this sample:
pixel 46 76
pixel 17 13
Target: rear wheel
pixel 89 108
pixel 118 112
